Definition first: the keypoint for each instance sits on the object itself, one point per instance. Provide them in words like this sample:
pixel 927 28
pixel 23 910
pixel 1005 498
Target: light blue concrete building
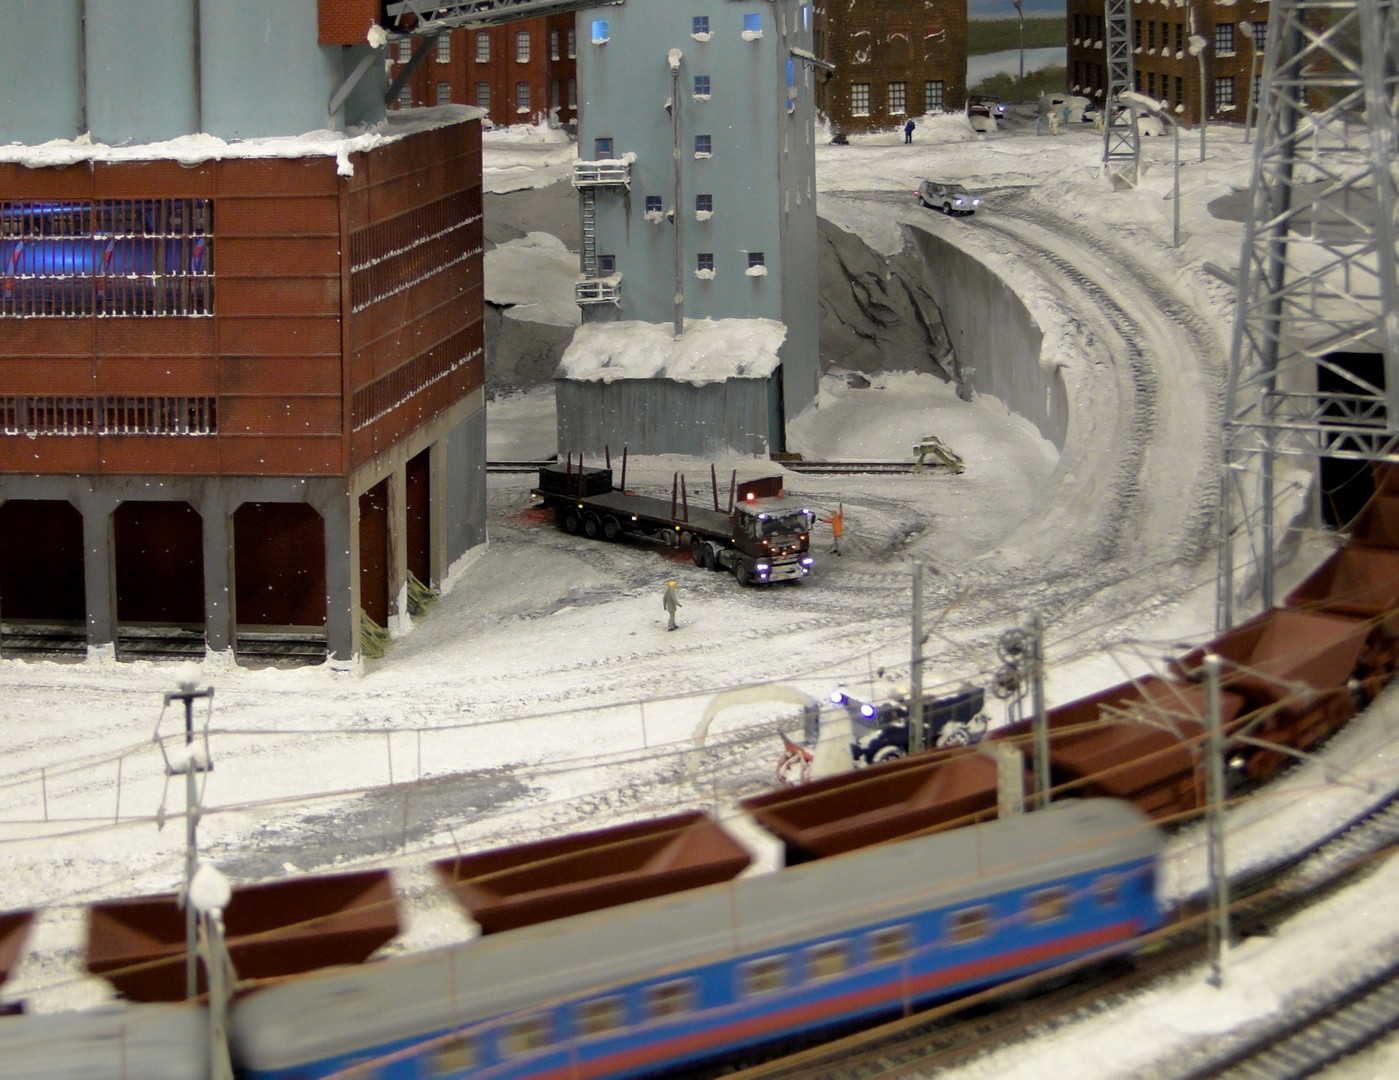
pixel 697 191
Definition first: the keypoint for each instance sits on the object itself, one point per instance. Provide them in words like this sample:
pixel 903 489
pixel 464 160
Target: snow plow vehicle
pixel 761 538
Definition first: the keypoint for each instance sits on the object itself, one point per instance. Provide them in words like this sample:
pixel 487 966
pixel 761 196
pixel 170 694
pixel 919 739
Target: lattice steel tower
pixel 1314 362
pixel 1121 142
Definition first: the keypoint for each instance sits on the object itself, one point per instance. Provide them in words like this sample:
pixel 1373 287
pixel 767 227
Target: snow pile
pixel 711 350
pixel 533 279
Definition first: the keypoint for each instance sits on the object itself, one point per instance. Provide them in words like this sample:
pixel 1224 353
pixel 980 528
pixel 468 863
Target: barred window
pixel 1223 37
pixel 1223 91
pixel 572 43
pixel 51 415
pixel 405 50
pixel 553 44
pixel 483 47
pixel 391 256
pixel 1260 36
pixel 109 257
pixel 397 387
pixel 898 98
pixel 405 97
pixel 444 93
pixel 444 49
pixel 860 99
pixel 522 47
pixel 483 95
pixel 932 94
pixel 522 97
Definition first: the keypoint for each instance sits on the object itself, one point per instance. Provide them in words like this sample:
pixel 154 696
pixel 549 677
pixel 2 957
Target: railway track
pixel 811 468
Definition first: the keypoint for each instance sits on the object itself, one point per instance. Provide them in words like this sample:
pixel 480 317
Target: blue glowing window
pixel 752 24
pixel 700 24
pixel 600 32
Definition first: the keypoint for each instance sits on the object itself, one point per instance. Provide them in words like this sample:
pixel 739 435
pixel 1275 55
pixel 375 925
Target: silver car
pixel 949 198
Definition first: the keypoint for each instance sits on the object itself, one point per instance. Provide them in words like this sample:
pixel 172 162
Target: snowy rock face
pixel 876 313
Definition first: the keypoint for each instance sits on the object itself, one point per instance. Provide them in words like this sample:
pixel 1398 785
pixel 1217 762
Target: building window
pixel 704 145
pixel 668 999
pixel 553 44
pixel 573 93
pixel 405 50
pixel 756 259
pixel 522 47
pixel 444 49
pixel 1260 36
pixel 653 204
pixel 1180 90
pixel 704 263
pixel 602 147
pixel 752 27
pixel 554 99
pixel 699 26
pixel 1151 36
pixel 599 30
pixel 1223 38
pixel 1136 33
pixel 1180 37
pixel 108 257
pixel 1223 91
pixel 572 43
pixel 932 95
pixel 898 98
pixel 606 265
pixel 444 93
pixel 762 976
pixel 1151 84
pixel 702 86
pixel 483 47
pixel 522 97
pixel 860 99
pixel 405 97
pixel 704 204
pixel 32 415
pixel 1077 30
pixel 600 1016
pixel 483 95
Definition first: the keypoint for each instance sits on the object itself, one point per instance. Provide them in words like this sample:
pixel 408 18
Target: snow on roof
pixel 198 148
pixel 711 350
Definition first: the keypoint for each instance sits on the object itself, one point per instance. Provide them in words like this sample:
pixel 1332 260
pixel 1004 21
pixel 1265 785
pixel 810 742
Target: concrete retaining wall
pixel 994 336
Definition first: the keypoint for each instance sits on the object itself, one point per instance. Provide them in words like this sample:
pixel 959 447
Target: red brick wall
pixel 345 22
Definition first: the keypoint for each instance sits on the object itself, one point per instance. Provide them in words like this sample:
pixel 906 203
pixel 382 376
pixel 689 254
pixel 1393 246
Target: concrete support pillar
pixel 398 544
pixel 99 569
pixel 438 513
pixel 220 617
pixel 340 512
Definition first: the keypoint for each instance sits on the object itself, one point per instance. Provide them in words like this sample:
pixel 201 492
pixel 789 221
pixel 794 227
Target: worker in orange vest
pixel 837 523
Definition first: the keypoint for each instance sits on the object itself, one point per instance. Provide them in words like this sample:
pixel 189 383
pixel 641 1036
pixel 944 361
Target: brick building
pixel 240 384
pixel 893 60
pixel 1162 65
pixel 525 72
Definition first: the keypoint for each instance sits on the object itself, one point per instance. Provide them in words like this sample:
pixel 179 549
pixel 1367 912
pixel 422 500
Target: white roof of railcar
pixel 349 1009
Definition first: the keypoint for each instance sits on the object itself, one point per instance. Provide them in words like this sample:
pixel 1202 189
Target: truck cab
pixel 773 537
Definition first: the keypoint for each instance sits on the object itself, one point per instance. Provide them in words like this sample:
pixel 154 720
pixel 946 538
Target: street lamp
pixel 1246 28
pixel 1197 48
pixel 1141 103
pixel 1019 10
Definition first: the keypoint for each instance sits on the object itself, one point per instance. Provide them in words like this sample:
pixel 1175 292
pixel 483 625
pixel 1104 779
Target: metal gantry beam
pixel 1121 145
pixel 417 17
pixel 1317 273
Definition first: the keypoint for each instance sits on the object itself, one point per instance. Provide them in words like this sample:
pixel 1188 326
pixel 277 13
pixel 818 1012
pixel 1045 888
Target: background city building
pixel 893 60
pixel 240 382
pixel 525 72
pixel 1162 64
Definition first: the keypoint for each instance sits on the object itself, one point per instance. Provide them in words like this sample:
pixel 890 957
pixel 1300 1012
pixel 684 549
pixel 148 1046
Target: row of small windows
pixel 1089 28
pixel 751 27
pixel 523 95
pixel 53 415
pixel 704 261
pixel 523 47
pixel 896 97
pixel 764 975
pixel 704 204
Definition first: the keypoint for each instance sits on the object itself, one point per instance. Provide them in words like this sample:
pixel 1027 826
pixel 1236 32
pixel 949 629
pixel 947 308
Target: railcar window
pixel 1048 905
pixel 969 924
pixel 889 944
pixel 457 1053
pixel 670 998
pixel 601 1015
pixel 827 960
pixel 1107 890
pixel 763 976
pixel 523 1036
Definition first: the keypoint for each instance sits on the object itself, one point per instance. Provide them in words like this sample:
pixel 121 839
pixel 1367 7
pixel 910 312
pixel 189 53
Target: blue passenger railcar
pixel 666 982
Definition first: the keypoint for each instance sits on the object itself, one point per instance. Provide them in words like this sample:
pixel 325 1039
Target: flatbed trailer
pixel 761 538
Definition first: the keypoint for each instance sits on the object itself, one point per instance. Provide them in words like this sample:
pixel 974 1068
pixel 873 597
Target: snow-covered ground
pixel 542 692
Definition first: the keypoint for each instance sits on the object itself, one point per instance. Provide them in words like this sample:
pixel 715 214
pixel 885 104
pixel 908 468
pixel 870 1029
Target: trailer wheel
pixel 611 527
pixel 571 521
pixel 741 573
pixel 697 551
pixel 591 526
pixel 711 561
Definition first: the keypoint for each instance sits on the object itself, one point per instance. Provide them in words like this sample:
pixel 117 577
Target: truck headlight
pixel 762 567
